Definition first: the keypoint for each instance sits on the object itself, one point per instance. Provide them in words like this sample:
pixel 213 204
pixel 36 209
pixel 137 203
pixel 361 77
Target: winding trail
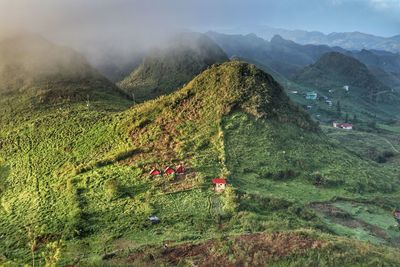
pixel 393 147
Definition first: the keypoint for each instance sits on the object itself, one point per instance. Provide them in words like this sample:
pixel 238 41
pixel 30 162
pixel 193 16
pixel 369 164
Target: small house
pixel 396 215
pixel 311 95
pixel 329 102
pixel 346 88
pixel 294 92
pixel 220 184
pixel 169 171
pixel 346 126
pixel 180 169
pixel 155 172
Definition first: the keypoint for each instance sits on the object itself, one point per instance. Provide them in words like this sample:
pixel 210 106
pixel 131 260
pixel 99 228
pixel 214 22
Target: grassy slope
pixel 76 180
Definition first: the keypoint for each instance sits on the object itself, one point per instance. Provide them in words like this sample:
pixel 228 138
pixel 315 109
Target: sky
pixel 124 23
pixel 380 17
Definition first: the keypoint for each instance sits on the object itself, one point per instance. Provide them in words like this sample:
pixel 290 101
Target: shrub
pixel 229 200
pixel 112 188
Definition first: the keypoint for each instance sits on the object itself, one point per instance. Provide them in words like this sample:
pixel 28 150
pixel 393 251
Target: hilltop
pixel 165 69
pixel 32 66
pixel 89 201
pixel 336 70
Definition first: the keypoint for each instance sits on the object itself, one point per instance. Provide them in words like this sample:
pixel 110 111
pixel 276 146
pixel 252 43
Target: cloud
pixel 125 24
pixel 385 4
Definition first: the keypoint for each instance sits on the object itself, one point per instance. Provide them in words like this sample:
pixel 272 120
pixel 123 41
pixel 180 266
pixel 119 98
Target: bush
pixel 112 188
pixel 229 200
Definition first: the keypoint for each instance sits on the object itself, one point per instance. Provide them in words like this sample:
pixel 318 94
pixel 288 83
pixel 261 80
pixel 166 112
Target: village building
pixel 180 169
pixel 169 171
pixel 311 95
pixel 346 126
pixel 155 172
pixel 220 184
pixel 396 215
pixel 346 87
pixel 329 102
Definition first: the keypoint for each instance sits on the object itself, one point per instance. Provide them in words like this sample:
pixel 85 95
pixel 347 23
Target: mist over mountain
pixel 29 64
pixel 165 69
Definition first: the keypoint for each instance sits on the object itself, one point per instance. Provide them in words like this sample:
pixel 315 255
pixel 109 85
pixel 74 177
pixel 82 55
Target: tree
pixel 347 118
pixel 338 109
pixel 355 118
pixel 229 200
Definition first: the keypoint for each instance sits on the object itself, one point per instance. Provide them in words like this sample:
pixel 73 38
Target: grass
pixel 77 178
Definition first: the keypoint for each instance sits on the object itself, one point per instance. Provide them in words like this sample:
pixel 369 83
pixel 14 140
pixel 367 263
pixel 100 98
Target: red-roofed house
pixel 346 126
pixel 220 184
pixel 169 171
pixel 155 172
pixel 180 169
pixel 396 215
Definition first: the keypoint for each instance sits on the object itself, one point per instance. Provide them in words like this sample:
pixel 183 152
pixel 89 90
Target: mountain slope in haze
pixel 384 65
pixel 284 56
pixel 75 182
pixel 166 69
pixel 287 57
pixel 336 70
pixel 346 40
pixel 31 65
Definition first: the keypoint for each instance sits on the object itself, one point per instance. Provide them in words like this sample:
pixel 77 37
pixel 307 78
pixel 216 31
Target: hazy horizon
pixel 121 26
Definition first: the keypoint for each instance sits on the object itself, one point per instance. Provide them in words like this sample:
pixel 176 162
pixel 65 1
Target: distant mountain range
pixel 287 57
pixel 347 40
pixel 372 74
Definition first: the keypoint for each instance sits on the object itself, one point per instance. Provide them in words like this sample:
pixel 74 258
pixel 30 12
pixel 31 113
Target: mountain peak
pixel 168 68
pixel 32 65
pixel 335 69
pixel 238 85
pixel 278 39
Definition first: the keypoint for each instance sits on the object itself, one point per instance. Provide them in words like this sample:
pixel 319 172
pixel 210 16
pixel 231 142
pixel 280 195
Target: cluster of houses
pixel 345 126
pixel 220 183
pixel 311 95
pixel 314 96
pixel 180 169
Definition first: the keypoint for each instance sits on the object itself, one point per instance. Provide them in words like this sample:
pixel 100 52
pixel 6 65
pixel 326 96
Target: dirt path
pixel 393 147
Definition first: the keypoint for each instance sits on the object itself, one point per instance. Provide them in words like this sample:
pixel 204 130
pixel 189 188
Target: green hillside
pixel 366 98
pixel 335 70
pixel 168 68
pixel 75 187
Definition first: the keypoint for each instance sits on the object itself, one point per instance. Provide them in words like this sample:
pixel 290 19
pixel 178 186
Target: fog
pixel 100 29
pixel 109 29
